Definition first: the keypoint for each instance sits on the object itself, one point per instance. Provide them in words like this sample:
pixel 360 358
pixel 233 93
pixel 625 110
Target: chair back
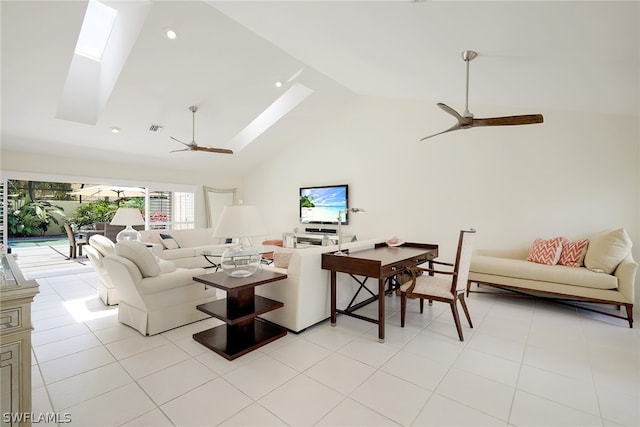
pixel 70 235
pixel 463 260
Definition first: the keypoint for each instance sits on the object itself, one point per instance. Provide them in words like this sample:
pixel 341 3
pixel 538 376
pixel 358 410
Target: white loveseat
pixel 306 292
pixel 182 247
pixel 607 275
pixel 154 299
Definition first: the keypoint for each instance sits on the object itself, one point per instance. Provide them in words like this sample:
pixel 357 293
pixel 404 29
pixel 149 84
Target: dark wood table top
pixel 222 280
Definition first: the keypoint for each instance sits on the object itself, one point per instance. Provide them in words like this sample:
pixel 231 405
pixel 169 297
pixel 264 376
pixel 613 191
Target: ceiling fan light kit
pixel 192 146
pixel 466 120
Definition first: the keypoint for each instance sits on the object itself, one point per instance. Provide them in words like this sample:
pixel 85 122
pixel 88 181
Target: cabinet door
pixel 10 382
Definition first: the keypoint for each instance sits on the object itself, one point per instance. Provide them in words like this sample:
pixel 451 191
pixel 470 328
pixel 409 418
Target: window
pixel 183 210
pixel 175 210
pixel 98 23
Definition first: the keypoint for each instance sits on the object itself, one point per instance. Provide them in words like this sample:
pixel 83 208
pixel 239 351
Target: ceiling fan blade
pixel 183 143
pixel 451 111
pixel 452 128
pixel 184 149
pixel 526 119
pixel 213 150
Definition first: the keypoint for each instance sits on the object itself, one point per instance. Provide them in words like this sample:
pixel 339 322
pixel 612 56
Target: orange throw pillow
pixel 573 252
pixel 546 251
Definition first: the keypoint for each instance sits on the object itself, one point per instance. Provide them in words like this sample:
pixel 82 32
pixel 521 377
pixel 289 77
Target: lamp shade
pixel 127 216
pixel 239 221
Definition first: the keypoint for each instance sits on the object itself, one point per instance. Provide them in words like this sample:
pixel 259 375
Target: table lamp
pixel 127 217
pixel 240 222
pixel 352 210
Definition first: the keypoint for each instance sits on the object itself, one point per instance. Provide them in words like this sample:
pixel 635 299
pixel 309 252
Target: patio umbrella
pixel 116 191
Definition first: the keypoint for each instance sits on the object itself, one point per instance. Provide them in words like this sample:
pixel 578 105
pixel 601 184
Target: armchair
pixel 152 300
pixel 445 289
pixel 98 248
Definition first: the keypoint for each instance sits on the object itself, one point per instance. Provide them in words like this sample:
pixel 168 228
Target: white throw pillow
pixel 606 250
pixel 281 259
pixel 168 241
pixel 142 257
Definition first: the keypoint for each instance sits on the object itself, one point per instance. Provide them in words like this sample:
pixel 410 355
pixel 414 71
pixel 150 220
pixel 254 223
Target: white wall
pixel 574 175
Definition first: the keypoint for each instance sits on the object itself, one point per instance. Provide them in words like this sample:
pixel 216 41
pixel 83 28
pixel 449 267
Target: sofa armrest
pixel 175 279
pixel 626 274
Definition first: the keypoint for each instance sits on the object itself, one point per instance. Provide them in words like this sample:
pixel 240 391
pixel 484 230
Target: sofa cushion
pixel 573 252
pixel 179 253
pixel 546 251
pixel 509 267
pixel 142 257
pixel 606 250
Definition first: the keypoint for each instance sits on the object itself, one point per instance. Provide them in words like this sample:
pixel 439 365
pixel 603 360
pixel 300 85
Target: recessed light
pixel 278 84
pixel 115 130
pixel 171 34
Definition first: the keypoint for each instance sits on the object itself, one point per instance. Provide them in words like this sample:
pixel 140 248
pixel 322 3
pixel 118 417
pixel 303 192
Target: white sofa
pixel 607 276
pixel 153 300
pixel 188 246
pixel 98 248
pixel 306 292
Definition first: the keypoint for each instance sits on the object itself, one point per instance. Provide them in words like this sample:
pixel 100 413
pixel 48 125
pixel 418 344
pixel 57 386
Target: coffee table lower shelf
pixel 231 341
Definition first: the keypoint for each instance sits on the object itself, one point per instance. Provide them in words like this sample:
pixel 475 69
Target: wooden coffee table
pixel 243 331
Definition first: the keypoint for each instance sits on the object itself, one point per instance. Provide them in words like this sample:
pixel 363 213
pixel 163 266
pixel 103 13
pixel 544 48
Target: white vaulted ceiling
pixel 577 56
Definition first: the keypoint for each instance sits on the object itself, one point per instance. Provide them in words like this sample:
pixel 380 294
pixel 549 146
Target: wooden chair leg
pixel 403 308
pixel 456 318
pixel 421 306
pixel 463 302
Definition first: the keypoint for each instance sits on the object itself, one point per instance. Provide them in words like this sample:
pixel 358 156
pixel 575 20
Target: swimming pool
pixel 27 242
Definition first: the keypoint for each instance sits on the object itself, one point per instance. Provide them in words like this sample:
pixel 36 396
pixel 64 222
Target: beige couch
pixel 607 276
pixel 306 292
pixel 184 247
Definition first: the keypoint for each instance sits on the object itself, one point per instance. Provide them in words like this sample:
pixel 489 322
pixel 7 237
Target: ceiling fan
pixel 192 146
pixel 466 120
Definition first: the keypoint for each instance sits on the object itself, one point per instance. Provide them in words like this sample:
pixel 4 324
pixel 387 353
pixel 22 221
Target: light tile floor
pixel 526 363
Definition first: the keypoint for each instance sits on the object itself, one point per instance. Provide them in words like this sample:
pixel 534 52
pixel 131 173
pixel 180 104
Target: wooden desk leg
pixel 333 298
pixel 381 310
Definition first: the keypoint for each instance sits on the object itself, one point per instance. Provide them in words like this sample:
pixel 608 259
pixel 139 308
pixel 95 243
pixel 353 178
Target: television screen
pixel 320 205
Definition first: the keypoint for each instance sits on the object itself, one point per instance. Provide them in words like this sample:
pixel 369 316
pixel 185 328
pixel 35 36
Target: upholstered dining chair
pixel 75 245
pixel 439 285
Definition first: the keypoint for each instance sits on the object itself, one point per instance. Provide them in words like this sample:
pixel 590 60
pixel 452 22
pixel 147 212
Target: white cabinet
pixel 16 296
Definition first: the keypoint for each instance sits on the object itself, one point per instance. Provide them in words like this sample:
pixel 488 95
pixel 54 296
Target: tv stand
pixel 321 230
pixel 317 239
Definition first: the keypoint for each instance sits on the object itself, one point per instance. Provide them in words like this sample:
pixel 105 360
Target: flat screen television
pixel 320 205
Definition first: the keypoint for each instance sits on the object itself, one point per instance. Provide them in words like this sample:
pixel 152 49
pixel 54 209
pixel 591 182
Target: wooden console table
pixel 243 331
pixel 381 262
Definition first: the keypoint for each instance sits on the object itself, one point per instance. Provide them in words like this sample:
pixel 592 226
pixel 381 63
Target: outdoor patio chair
pixel 75 245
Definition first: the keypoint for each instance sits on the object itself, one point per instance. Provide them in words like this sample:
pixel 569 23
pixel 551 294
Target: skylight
pixel 280 107
pixel 96 29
